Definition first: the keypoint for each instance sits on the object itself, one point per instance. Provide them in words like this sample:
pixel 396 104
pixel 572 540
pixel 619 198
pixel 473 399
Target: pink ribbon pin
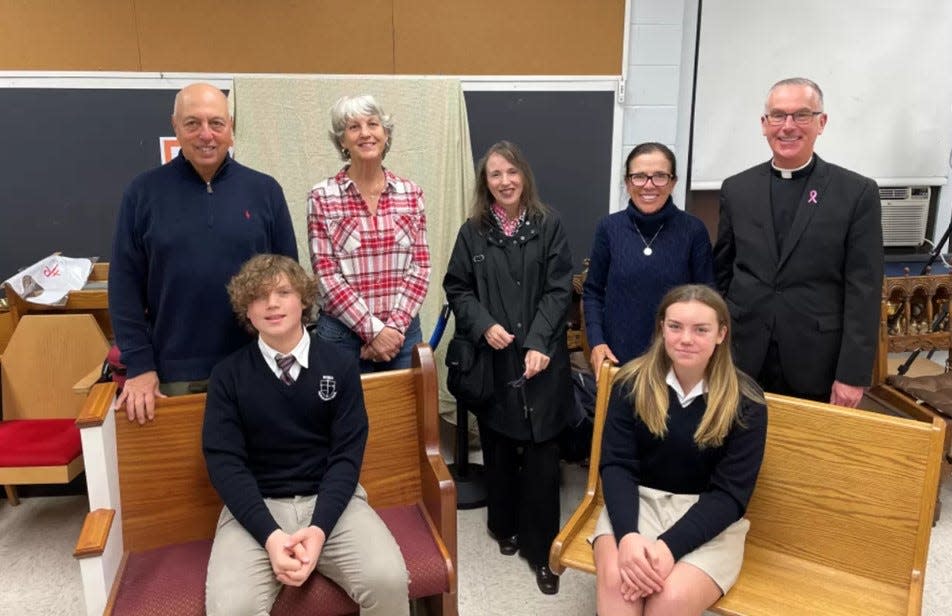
pixel 812 198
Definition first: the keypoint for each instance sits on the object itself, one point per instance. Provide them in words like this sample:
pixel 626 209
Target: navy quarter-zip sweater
pixel 178 242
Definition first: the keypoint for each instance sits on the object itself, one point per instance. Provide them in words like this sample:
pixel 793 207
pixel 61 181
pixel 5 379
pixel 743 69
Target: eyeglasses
pixel 804 116
pixel 640 179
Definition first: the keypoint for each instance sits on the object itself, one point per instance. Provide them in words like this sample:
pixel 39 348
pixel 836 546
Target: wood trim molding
pixel 95 532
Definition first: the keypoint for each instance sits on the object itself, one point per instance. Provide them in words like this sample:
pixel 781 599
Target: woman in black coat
pixel 516 247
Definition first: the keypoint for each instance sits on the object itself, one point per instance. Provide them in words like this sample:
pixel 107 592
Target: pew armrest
pixel 100 556
pixel 97 405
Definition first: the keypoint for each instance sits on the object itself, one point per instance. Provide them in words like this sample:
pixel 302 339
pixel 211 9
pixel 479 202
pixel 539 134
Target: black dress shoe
pixel 548 582
pixel 508 545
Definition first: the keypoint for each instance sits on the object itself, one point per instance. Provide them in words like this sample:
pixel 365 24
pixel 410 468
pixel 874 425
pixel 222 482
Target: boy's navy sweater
pixel 178 242
pixel 263 438
pixel 724 476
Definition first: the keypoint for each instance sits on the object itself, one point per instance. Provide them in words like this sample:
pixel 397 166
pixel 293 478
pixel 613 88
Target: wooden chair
pixel 39 442
pixel 575 332
pixel 146 541
pixel 908 307
pixel 840 518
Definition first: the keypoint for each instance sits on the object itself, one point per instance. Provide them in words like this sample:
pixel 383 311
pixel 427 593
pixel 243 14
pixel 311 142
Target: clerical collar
pixel 793 174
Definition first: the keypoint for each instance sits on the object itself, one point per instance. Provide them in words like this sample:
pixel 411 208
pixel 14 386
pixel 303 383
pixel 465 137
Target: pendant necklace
pixel 647 251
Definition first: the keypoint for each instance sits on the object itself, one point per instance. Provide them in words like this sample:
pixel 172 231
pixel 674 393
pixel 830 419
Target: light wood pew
pixel 149 491
pixel 900 331
pixel 840 518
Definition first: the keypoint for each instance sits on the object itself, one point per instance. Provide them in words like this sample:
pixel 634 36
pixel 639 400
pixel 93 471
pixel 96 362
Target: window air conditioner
pixel 905 214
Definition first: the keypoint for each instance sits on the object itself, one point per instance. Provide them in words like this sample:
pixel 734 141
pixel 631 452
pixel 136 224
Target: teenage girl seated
pixel 683 442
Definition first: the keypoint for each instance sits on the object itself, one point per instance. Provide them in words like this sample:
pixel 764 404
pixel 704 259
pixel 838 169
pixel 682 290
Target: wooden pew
pixel 145 543
pixel 840 518
pixel 909 305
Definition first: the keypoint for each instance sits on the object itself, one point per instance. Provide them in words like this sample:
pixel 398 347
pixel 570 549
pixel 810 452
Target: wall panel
pixel 330 36
pixel 68 35
pixel 501 37
pixel 455 37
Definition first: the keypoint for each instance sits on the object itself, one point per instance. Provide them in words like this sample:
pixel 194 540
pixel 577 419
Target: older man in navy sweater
pixel 183 230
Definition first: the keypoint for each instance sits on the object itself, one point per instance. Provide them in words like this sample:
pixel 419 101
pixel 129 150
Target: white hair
pixel 799 81
pixel 349 107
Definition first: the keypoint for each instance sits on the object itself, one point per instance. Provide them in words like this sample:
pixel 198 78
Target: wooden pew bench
pixel 924 392
pixel 840 518
pixel 145 544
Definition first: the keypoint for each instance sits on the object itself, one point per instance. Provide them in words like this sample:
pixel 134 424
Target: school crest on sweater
pixel 327 390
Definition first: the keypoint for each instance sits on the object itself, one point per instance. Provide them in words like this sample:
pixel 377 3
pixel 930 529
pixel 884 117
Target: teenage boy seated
pixel 284 436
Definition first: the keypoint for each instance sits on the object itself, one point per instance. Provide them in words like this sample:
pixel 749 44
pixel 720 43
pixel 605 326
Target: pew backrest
pixel 840 517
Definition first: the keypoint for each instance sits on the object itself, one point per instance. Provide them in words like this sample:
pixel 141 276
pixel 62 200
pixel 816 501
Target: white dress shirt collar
pixel 300 352
pixel 685 399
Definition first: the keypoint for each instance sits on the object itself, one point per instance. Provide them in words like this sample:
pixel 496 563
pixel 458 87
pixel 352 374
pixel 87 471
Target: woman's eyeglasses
pixel 640 179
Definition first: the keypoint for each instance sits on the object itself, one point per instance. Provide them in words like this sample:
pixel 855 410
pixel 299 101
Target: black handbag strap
pixel 479 257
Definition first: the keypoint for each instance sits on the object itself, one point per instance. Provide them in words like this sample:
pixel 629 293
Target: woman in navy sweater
pixel 638 255
pixel 683 443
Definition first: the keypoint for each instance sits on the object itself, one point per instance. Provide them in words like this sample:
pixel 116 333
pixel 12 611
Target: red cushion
pixel 166 580
pixel 428 575
pixel 171 579
pixel 39 442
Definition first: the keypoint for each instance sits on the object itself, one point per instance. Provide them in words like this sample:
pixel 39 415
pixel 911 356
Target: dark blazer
pixel 528 283
pixel 819 294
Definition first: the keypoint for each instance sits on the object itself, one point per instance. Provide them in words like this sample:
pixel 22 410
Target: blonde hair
pixel 726 384
pixel 259 275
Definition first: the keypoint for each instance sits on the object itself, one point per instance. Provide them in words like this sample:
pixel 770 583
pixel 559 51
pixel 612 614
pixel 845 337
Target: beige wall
pixel 461 37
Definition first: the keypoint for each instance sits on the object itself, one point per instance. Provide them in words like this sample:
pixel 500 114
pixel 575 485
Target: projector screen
pixel 885 68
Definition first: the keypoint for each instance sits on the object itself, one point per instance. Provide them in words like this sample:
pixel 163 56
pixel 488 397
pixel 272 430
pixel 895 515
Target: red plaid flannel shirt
pixel 372 270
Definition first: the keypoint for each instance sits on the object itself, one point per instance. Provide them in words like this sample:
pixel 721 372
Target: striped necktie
pixel 285 362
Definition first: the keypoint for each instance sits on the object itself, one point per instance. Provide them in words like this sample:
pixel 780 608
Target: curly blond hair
pixel 259 275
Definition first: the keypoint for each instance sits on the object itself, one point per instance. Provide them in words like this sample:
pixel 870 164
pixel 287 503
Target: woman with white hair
pixel 366 230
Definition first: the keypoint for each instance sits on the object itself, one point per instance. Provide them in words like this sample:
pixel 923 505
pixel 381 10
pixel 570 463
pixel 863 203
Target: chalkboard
pixel 69 153
pixel 567 138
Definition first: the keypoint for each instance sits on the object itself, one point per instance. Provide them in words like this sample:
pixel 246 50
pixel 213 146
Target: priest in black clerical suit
pixel 799 258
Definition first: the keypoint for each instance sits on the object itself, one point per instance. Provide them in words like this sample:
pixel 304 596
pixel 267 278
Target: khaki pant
pixel 360 555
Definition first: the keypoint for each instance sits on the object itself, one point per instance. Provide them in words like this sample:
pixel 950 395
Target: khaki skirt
pixel 720 558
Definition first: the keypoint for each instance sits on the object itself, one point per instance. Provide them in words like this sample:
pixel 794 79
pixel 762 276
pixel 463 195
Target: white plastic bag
pixel 49 280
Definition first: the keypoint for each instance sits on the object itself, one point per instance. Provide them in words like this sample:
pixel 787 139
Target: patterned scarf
pixel 506 224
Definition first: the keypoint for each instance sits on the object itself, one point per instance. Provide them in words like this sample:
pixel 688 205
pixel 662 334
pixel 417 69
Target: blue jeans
pixel 337 333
